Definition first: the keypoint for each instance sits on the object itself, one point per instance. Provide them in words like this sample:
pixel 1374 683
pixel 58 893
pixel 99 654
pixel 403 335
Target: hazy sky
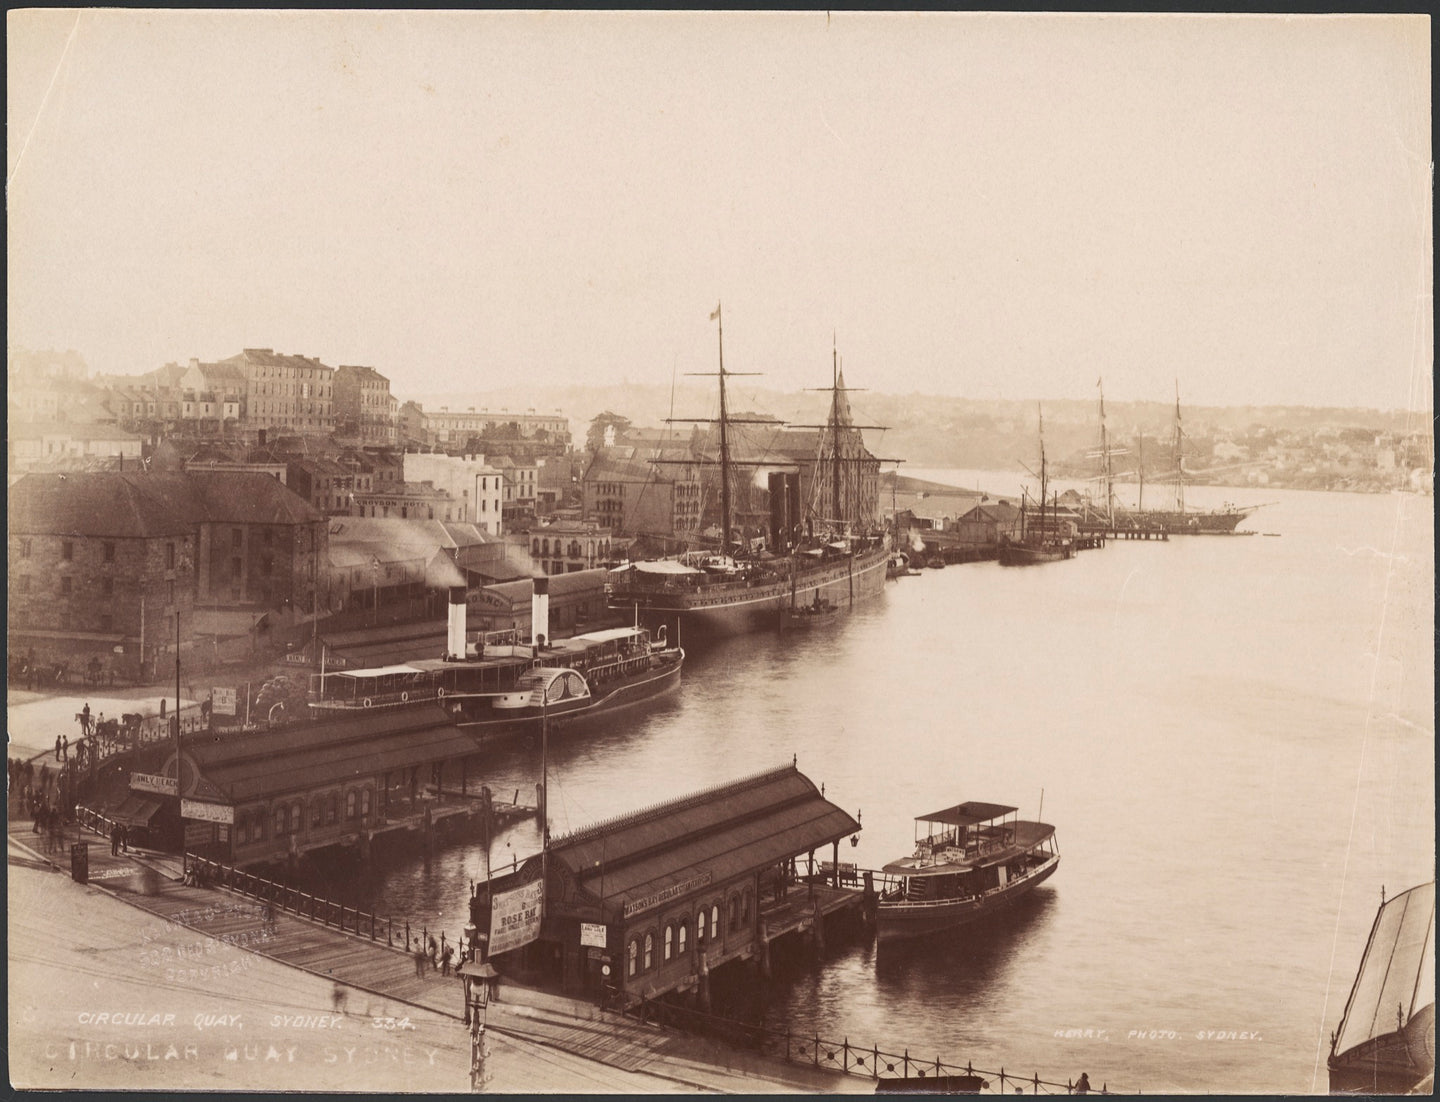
pixel 981 205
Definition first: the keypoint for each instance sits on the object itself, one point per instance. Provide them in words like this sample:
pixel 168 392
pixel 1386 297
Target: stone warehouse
pixel 100 563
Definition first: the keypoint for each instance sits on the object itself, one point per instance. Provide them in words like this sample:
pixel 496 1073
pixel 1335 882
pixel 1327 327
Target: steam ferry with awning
pixel 970 860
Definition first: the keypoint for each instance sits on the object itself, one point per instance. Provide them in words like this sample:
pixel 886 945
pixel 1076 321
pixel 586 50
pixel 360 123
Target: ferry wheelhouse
pixel 969 860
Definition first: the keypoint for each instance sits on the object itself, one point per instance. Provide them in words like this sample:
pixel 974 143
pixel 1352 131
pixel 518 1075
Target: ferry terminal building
pixel 663 896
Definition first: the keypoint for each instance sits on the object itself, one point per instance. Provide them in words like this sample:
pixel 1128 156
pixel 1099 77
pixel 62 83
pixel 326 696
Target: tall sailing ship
pixel 829 550
pixel 1180 520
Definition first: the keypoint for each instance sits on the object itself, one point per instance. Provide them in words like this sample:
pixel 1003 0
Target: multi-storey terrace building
pixel 364 406
pixel 288 394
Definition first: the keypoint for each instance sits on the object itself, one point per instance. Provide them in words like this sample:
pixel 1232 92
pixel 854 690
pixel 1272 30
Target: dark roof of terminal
pixel 967 814
pixel 728 830
pixel 328 752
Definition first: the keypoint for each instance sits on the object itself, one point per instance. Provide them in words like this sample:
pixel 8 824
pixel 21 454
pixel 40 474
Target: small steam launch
pixel 500 685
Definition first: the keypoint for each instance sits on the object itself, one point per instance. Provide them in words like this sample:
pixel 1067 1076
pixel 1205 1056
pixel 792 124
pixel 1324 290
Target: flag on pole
pixel 715 313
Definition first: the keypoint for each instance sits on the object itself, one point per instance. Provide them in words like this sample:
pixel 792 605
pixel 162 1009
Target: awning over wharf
pixel 642 860
pixel 304 756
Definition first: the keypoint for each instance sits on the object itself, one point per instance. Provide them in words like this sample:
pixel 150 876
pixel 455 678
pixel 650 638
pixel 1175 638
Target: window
pixel 734 912
pixel 634 953
pixel 684 931
pixel 67 550
pixel 350 804
pixel 237 538
pixel 107 622
pixel 331 810
pixel 24 549
pixel 265 565
pixel 109 551
pixel 169 556
pixel 65 585
pixel 669 941
pixel 649 948
pixel 715 921
pixel 745 907
pixel 280 820
pixel 235 568
pixel 295 814
pixel 242 829
pixel 700 927
pixel 317 814
pixel 365 804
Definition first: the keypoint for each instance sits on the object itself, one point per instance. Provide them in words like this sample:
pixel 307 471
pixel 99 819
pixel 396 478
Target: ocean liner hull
pixel 738 609
pixel 900 920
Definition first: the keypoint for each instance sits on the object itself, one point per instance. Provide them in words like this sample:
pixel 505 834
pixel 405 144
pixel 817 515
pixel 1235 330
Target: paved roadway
pixel 106 996
pixel 32 720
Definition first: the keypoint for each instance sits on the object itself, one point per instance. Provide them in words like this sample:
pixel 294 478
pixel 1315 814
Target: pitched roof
pixel 140 504
pixel 574 581
pixel 105 503
pixel 266 357
pixel 727 830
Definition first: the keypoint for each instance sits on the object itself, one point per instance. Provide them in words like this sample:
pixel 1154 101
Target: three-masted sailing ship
pixel 828 550
pixel 1180 520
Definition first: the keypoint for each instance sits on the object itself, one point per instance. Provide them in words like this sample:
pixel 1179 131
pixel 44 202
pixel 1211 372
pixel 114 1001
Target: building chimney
pixel 455 634
pixel 540 611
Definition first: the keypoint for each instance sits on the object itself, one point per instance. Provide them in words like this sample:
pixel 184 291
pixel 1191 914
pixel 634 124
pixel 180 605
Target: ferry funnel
pixel 455 625
pixel 540 611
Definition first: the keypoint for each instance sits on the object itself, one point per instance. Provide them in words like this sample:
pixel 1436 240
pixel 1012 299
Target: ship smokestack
pixel 455 626
pixel 540 611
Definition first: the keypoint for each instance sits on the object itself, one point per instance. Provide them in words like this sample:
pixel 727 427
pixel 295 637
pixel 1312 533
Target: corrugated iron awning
pixel 135 811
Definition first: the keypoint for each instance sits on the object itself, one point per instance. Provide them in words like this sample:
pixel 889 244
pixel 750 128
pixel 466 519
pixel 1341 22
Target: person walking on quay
pixel 85 719
pixel 115 840
pixel 124 839
pixel 65 748
pixel 420 961
pixel 57 747
pixel 434 954
pixel 446 956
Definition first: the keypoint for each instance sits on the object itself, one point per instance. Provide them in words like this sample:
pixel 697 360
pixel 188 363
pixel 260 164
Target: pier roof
pixel 302 756
pixel 726 831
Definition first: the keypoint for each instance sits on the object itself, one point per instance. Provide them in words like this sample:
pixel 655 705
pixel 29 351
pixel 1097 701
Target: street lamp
pixel 478 979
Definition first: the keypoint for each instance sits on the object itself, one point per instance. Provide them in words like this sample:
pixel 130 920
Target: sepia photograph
pixel 676 552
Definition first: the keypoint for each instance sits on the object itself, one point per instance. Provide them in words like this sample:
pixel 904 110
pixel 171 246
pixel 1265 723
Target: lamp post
pixel 477 979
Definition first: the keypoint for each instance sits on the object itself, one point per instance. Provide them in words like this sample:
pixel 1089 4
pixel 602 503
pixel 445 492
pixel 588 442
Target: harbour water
pixel 1234 738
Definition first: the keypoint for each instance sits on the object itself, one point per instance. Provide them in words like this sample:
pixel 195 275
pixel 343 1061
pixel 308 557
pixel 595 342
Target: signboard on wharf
pixel 515 917
pixel 664 895
pixel 153 782
pixel 210 813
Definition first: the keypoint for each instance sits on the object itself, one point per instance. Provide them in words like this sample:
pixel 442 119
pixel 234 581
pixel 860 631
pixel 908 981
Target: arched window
pixel 317 813
pixel 280 819
pixel 332 809
pixel 365 798
pixel 734 912
pixel 745 907
pixel 258 833
pixel 649 949
pixel 669 941
pixel 545 547
pixel 634 952
pixel 684 930
pixel 715 920
pixel 295 817
pixel 350 804
pixel 700 927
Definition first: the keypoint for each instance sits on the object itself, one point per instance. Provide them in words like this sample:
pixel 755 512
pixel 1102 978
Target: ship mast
pixel 1105 470
pixel 840 511
pixel 724 440
pixel 1179 449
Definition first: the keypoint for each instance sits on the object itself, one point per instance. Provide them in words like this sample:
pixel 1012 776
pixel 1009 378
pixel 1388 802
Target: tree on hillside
pixel 595 438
